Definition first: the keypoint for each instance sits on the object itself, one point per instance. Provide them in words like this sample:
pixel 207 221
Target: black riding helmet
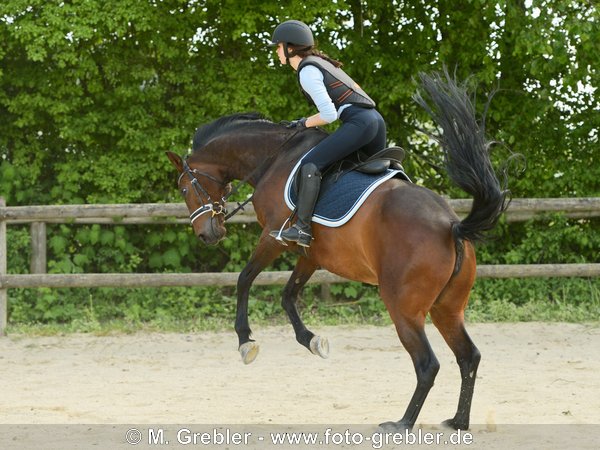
pixel 292 32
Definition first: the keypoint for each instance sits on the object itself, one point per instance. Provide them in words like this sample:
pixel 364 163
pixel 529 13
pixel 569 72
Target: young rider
pixel 336 96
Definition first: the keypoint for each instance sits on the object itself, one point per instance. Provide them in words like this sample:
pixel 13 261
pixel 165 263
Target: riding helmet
pixel 293 32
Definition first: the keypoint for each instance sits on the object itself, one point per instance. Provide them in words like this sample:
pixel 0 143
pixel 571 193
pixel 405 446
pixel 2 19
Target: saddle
pixel 388 158
pixel 348 183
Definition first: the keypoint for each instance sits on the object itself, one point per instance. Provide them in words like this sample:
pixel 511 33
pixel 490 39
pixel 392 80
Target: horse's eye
pixel 184 192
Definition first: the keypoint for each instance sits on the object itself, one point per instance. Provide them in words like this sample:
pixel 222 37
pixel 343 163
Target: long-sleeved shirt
pixel 311 79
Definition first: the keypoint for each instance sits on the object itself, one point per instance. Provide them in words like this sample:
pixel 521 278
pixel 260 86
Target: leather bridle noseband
pixel 215 208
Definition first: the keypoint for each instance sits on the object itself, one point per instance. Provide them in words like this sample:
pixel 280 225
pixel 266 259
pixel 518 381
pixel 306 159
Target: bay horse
pixel 405 238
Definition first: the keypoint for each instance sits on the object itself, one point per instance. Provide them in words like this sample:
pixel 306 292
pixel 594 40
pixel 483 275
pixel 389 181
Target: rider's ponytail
pixel 303 52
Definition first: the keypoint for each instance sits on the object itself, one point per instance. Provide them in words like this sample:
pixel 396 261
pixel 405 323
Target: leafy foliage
pixel 92 93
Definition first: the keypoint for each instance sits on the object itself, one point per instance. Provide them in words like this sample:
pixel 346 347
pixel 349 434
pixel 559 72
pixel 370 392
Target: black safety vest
pixel 341 88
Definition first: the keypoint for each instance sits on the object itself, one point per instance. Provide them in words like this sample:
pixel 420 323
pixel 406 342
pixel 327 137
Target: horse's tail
pixel 466 153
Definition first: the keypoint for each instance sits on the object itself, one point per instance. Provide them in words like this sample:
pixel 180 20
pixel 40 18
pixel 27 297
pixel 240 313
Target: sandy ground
pixel 542 378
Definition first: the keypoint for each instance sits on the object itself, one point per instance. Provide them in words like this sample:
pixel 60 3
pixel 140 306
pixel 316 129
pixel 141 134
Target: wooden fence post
pixel 3 267
pixel 326 292
pixel 38 247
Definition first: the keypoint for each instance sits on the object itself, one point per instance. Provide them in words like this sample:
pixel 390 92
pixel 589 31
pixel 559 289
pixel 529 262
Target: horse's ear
pixel 175 160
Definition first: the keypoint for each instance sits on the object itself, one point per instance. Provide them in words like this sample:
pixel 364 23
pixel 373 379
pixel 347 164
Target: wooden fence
pixel 159 213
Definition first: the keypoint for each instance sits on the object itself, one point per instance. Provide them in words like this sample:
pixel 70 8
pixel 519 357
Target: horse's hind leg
pixel 407 313
pixel 301 274
pixel 467 357
pixel 447 315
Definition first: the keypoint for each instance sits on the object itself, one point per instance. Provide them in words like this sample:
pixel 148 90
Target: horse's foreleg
pixel 266 251
pixel 301 274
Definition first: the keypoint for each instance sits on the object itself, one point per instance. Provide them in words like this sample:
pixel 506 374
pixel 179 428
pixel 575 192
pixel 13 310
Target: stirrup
pixel 303 238
pixel 277 234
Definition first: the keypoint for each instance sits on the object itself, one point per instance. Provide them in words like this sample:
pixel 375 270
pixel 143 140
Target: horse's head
pixel 204 194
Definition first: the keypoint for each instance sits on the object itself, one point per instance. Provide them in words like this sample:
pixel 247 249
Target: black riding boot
pixel 310 183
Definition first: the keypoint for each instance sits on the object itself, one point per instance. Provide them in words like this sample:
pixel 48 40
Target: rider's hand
pixel 299 124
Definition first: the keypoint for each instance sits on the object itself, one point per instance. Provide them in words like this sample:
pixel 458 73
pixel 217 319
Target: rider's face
pixel 281 54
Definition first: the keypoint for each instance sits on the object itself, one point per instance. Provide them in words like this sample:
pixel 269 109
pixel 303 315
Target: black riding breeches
pixel 362 129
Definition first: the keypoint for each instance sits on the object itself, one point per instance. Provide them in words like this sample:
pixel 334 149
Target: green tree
pixel 92 93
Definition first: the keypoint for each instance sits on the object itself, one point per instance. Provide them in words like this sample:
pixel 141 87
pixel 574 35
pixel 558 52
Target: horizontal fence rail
pixel 171 213
pixel 88 280
pixel 147 213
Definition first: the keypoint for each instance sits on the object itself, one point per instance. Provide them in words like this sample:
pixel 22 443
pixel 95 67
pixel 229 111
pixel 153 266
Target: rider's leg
pixel 360 128
pixel 310 183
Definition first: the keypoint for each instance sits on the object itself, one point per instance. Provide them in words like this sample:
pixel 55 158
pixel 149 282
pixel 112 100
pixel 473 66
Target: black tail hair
pixel 466 153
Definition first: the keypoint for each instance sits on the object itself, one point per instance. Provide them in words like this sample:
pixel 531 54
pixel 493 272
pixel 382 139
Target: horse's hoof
pixel 249 351
pixel 455 425
pixel 319 346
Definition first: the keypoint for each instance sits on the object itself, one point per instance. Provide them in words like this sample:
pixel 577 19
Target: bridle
pixel 216 208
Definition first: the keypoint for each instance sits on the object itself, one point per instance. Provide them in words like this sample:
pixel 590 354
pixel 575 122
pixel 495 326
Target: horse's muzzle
pixel 209 238
pixel 212 233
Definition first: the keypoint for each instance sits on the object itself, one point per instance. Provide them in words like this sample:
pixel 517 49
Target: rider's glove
pixel 299 124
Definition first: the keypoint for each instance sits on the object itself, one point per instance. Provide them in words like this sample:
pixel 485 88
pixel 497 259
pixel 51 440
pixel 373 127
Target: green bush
pixel 90 249
pixel 91 97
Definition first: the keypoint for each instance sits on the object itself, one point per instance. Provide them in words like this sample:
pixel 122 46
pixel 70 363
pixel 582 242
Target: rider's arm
pixel 311 79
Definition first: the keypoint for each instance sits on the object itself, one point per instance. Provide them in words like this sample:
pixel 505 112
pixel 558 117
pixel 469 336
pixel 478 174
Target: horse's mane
pixel 208 132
